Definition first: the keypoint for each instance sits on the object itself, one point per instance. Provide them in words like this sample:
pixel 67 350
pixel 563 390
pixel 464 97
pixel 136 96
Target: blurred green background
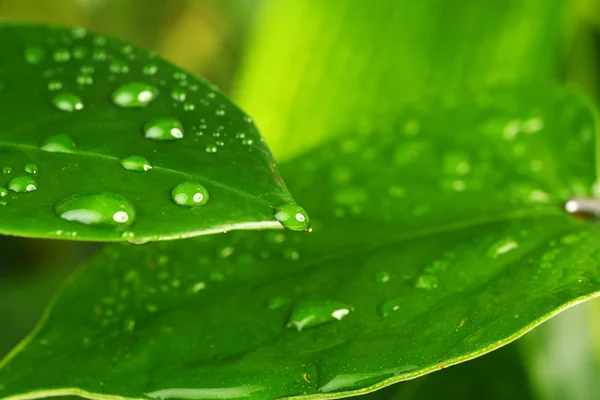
pixel 210 38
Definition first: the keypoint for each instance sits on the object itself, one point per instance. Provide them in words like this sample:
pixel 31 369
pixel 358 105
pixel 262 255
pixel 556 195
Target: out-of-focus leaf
pixel 317 68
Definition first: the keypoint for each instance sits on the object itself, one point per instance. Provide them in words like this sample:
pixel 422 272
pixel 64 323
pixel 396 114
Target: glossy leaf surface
pixel 98 132
pixel 464 246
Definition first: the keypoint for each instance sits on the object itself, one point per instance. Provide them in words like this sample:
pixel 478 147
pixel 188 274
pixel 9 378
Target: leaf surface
pixel 463 246
pixel 83 115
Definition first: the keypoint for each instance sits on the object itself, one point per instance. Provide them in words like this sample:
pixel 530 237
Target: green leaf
pixel 439 241
pixel 100 134
pixel 317 69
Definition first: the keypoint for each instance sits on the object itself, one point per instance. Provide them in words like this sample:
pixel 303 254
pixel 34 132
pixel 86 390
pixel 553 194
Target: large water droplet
pixel 292 217
pixel 22 184
pixel 98 209
pixel 136 163
pixel 315 313
pixel 190 194
pixel 163 129
pixel 67 102
pixel 60 143
pixel 134 94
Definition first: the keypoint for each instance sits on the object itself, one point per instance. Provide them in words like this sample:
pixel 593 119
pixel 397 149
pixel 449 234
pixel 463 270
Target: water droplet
pixel 6 170
pixel 189 107
pixel 502 246
pixel 390 306
pixel 382 276
pixel 134 94
pixel 150 69
pixel 54 86
pixel 80 52
pixel 61 55
pixel 190 194
pixel 198 287
pixel 84 80
pixel 67 102
pixel 583 206
pixel 97 209
pixel 31 169
pixel 291 254
pixel 22 184
pixel 34 54
pixel 426 282
pixel 211 148
pixel 99 55
pixel 3 191
pixel 60 143
pixel 136 163
pixel 163 129
pixel 118 67
pixel 293 217
pixel 178 94
pixel 311 314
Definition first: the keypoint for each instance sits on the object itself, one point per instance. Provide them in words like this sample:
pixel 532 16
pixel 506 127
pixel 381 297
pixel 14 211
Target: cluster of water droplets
pixel 95 60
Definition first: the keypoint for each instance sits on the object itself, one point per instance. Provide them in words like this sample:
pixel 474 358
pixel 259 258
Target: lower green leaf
pixel 434 242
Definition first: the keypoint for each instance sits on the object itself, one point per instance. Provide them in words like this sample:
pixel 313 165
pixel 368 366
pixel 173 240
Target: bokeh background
pixel 212 39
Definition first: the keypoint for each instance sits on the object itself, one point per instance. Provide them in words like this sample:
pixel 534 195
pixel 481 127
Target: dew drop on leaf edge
pixel 190 194
pixel 292 217
pixel 104 209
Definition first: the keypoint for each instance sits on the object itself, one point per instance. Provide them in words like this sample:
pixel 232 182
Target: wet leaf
pixel 463 246
pixel 93 143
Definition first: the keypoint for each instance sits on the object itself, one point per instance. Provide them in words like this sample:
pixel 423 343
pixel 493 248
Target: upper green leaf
pixel 101 141
pixel 434 242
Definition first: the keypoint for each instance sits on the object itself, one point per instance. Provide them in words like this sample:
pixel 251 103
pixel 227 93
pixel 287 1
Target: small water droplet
pixel 163 129
pixel 211 148
pixel 97 209
pixel 382 276
pixel 99 54
pixel 292 217
pixel 189 107
pixel 136 163
pixel 61 55
pixel 190 194
pixel 501 247
pixel 67 102
pixel 80 52
pixel 390 306
pixel 178 94
pixel 198 287
pixel 23 184
pixel 54 86
pixel 291 254
pixel 34 54
pixel 118 67
pixel 6 170
pixel 84 80
pixel 150 69
pixel 3 191
pixel 31 169
pixel 316 313
pixel 583 206
pixel 60 143
pixel 134 94
pixel 426 282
